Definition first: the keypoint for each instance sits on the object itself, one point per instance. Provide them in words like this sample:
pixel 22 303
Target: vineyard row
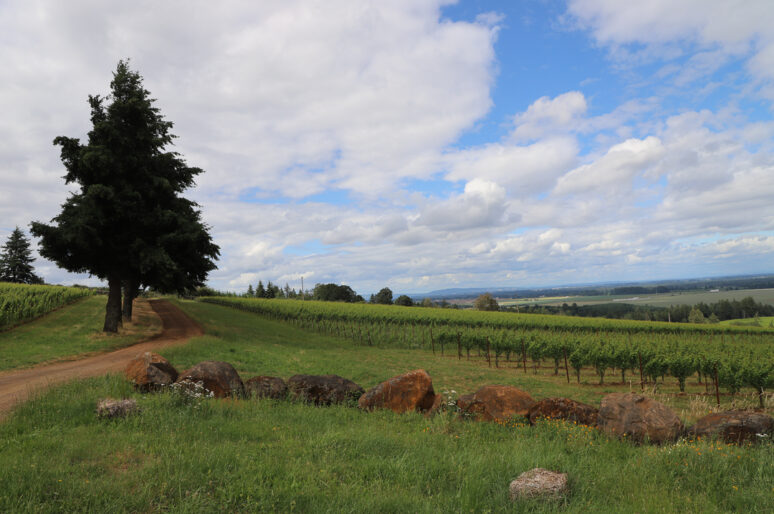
pixel 731 360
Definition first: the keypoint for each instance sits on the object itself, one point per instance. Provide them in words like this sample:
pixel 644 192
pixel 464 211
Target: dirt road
pixel 17 386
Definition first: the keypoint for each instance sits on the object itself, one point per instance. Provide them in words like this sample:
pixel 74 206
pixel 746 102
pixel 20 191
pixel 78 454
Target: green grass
pixel 70 331
pixel 248 455
pixel 763 322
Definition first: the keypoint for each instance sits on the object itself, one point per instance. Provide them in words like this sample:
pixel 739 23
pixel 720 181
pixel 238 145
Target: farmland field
pixel 284 456
pixel 765 296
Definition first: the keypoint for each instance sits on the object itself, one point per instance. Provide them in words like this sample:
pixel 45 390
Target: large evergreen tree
pixel 16 260
pixel 127 224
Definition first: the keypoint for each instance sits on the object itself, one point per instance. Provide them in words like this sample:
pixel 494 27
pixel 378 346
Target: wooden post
pixel 459 347
pixel 524 355
pixel 432 341
pixel 566 367
pixel 488 358
pixel 717 390
pixel 642 380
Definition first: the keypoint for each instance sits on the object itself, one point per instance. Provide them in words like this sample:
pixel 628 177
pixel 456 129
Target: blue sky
pixel 425 144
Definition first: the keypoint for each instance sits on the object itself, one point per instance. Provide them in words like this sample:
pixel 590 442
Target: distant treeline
pixel 667 286
pixel 701 312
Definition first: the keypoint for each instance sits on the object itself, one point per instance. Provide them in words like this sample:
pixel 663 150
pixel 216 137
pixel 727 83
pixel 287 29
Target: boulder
pixel 150 371
pixel 323 389
pixel 436 407
pixel 266 387
pixel 218 377
pixel 565 409
pixel 412 391
pixel 108 408
pixel 735 426
pixel 539 483
pixel 495 402
pixel 638 418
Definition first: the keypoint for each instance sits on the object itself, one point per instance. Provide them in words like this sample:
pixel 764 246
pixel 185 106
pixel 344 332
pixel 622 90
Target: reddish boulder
pixel 735 426
pixel 218 377
pixel 150 371
pixel 563 408
pixel 639 418
pixel 412 391
pixel 323 389
pixel 495 402
pixel 266 387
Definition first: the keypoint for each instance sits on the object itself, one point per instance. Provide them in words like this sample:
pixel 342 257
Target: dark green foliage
pixel 16 260
pixel 486 302
pixel 404 300
pixel 720 311
pixel 334 293
pixel 127 224
pixel 384 296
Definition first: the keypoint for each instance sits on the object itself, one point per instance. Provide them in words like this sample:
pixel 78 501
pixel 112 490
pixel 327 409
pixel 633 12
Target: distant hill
pixel 608 288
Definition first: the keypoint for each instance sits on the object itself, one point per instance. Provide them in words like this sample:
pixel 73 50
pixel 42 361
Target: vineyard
pixel 731 358
pixel 20 302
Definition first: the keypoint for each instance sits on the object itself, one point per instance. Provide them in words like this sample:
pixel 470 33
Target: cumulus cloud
pixel 615 171
pixel 482 204
pixel 287 103
pixel 547 116
pixel 523 169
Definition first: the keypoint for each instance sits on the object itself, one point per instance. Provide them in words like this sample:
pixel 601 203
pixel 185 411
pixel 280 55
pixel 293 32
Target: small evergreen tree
pixel 16 260
pixel 260 291
pixel 250 291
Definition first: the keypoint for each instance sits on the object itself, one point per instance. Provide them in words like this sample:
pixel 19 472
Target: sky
pixel 423 144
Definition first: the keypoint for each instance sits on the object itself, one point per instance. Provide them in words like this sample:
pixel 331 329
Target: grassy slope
pixel 282 456
pixel 69 331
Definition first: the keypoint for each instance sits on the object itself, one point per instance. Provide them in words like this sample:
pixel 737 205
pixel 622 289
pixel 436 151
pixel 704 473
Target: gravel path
pixel 17 386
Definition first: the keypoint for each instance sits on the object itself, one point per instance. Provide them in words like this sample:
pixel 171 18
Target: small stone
pixel 108 408
pixel 539 482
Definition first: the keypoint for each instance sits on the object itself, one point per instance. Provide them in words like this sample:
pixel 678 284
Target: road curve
pixel 17 386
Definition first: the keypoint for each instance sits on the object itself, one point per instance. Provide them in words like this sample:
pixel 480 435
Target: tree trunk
pixel 130 293
pixel 113 308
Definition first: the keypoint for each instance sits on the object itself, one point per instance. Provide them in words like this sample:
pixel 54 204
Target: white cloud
pixel 280 100
pixel 482 204
pixel 615 170
pixel 547 116
pixel 718 28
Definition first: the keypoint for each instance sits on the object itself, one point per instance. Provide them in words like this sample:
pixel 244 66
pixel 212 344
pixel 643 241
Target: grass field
pixel 243 456
pixel 764 321
pixel 70 331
